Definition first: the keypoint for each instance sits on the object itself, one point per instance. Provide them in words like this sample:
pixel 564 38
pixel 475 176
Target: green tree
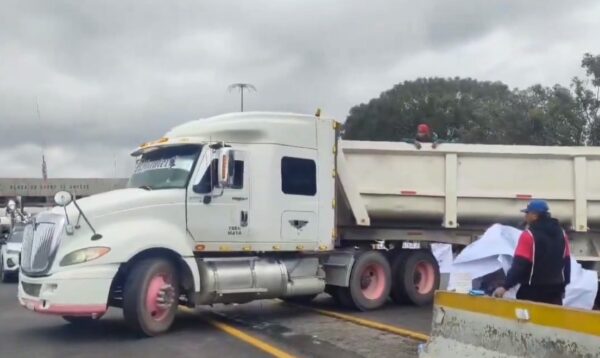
pixel 472 111
pixel 587 96
pixel 551 117
pixel 456 108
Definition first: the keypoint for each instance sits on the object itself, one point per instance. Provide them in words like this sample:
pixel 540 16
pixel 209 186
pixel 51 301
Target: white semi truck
pixel 251 206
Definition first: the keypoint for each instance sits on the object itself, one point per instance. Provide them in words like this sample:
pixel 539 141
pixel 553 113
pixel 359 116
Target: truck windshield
pixel 165 168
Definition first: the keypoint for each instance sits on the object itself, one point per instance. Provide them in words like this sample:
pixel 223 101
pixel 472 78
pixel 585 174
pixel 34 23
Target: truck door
pixel 299 222
pixel 215 214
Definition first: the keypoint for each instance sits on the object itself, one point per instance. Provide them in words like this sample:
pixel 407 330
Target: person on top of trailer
pixel 542 259
pixel 425 135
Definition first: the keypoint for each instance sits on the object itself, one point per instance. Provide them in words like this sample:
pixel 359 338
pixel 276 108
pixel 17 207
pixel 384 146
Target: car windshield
pixel 164 168
pixel 16 236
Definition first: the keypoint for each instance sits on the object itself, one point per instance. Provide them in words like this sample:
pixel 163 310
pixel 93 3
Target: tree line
pixel 469 111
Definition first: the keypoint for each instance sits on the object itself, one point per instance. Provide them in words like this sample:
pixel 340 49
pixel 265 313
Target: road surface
pixel 259 329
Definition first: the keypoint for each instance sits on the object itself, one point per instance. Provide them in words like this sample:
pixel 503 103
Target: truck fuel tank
pixel 243 279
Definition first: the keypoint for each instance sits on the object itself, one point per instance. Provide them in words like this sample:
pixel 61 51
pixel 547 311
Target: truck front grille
pixel 40 241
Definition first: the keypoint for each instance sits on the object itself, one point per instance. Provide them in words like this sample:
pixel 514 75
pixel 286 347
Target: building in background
pixel 32 192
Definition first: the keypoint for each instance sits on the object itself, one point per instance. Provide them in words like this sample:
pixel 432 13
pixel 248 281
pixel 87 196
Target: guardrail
pixel 480 326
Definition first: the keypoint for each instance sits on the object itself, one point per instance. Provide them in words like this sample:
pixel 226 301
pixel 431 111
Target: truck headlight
pixel 84 255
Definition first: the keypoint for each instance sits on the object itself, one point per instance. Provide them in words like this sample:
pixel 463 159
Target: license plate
pixel 30 306
pixel 411 245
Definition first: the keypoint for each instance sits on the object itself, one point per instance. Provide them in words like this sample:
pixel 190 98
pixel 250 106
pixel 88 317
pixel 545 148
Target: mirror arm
pixel 66 215
pixel 208 197
pixel 77 226
pixel 96 236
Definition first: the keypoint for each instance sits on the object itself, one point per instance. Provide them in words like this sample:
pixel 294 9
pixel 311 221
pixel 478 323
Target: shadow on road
pixel 259 312
pixel 110 329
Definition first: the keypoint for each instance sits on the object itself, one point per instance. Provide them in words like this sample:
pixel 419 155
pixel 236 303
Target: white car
pixel 9 255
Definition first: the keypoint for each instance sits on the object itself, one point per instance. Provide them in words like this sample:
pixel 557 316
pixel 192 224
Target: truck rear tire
pixel 398 292
pixel 151 297
pixel 416 277
pixel 370 282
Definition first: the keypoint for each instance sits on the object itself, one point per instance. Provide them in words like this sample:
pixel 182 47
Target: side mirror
pixel 12 205
pixel 63 198
pixel 226 167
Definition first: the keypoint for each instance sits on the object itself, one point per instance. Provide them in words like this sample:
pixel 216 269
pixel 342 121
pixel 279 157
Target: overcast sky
pixel 109 75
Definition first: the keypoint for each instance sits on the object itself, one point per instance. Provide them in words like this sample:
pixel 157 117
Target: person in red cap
pixel 425 135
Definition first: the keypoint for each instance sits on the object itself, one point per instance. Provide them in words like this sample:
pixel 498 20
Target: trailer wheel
pixel 398 292
pixel 150 297
pixel 416 277
pixel 370 281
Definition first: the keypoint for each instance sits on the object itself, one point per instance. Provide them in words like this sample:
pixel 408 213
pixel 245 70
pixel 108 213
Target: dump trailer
pixel 259 205
pixel 451 193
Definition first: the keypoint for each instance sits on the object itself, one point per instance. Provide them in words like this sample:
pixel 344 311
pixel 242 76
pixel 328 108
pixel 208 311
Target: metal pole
pixel 242 92
pixel 241 87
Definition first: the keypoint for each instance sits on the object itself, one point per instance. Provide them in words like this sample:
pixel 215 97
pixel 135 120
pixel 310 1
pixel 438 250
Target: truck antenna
pixel 44 165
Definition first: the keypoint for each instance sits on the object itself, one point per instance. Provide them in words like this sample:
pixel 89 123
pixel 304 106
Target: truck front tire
pixel 416 276
pixel 151 296
pixel 370 282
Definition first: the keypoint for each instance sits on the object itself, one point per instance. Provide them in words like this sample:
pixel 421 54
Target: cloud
pixel 109 75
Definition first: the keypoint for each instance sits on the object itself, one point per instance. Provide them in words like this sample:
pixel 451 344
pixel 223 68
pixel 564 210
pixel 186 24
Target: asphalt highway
pixel 259 329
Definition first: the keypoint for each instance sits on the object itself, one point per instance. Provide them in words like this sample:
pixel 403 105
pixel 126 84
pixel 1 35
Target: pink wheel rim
pixel 372 281
pixel 424 277
pixel 157 284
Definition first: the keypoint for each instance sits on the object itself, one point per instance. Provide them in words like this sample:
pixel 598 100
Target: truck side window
pixel 209 179
pixel 238 175
pixel 298 176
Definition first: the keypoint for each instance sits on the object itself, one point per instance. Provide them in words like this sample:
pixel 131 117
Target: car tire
pixel 146 282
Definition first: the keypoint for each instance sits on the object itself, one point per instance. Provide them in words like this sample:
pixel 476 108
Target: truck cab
pixel 226 209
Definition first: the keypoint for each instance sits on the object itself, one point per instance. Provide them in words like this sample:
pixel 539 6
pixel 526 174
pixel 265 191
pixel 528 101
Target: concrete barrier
pixel 474 326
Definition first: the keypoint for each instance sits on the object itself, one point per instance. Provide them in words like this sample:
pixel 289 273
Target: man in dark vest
pixel 542 259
